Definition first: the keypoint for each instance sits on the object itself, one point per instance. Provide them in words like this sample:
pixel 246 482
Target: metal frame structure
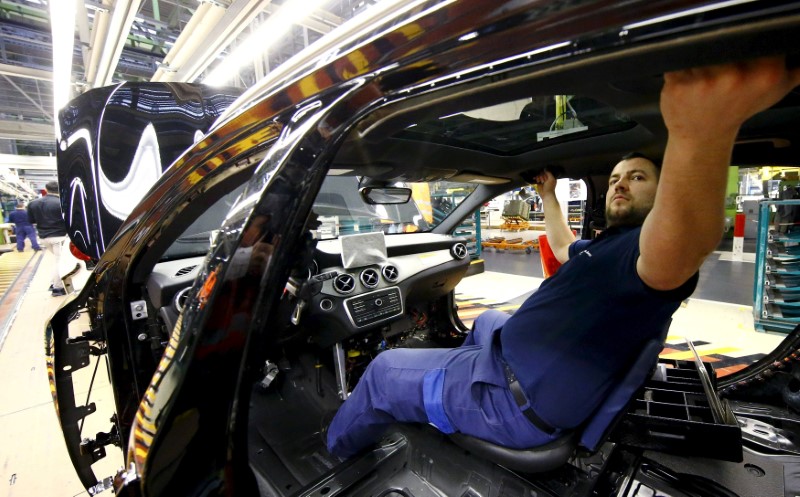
pixel 776 291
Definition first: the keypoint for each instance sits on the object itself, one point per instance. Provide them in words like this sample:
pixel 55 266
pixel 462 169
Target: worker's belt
pixel 519 397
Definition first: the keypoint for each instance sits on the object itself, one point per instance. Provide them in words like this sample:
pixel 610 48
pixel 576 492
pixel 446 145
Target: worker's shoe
pixel 58 292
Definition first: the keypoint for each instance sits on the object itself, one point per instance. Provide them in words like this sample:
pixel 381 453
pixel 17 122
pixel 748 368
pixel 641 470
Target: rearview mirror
pixel 385 195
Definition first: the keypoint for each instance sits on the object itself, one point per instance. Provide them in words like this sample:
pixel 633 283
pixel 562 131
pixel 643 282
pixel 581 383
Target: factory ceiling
pixel 135 40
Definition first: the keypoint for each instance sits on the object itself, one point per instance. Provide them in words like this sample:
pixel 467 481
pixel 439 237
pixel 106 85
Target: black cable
pixel 89 393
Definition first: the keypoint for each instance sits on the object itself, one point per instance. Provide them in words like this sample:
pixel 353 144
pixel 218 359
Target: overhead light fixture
pixel 261 39
pixel 62 24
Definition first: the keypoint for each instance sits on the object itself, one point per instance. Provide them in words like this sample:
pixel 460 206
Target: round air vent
pixel 344 283
pixel 459 251
pixel 181 297
pixel 390 273
pixel 369 278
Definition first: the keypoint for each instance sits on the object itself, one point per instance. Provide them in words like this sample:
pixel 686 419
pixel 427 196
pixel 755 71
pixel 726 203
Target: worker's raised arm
pixel 703 109
pixel 559 236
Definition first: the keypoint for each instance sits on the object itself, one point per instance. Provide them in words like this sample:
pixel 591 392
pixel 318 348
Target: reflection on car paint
pixel 143 427
pixel 116 155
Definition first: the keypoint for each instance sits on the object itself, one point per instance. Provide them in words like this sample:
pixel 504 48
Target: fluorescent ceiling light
pixel 261 39
pixel 62 23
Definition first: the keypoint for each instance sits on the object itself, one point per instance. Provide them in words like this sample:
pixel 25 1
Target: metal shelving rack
pixel 471 230
pixel 575 213
pixel 776 292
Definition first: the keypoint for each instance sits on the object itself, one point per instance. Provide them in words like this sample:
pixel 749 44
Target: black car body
pixel 225 359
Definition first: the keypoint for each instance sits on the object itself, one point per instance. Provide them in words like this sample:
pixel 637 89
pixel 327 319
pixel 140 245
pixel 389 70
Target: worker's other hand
pixel 546 184
pixel 706 103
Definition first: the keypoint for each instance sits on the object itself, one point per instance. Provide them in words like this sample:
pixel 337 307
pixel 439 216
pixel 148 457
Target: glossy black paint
pixel 107 132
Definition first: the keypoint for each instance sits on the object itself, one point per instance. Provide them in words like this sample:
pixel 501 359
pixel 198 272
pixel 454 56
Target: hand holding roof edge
pixel 704 102
pixel 703 109
pixel 546 184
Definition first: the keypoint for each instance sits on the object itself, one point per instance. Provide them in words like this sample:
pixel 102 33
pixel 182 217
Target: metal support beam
pixel 197 53
pixel 118 29
pixel 193 36
pixel 102 16
pixel 31 100
pixel 25 72
pixel 23 130
pixel 84 33
pixel 328 18
pixel 28 162
pixel 258 61
pixel 312 24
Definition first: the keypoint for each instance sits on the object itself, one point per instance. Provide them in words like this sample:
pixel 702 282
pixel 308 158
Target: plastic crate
pixel 674 415
pixel 516 209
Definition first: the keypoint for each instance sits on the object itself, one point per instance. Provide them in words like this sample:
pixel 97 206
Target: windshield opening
pixel 340 210
pixel 197 238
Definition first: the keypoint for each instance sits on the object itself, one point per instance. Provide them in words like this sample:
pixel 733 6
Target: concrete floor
pixel 33 456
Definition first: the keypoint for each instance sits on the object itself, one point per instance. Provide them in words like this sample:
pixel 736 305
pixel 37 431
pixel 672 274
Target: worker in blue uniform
pixel 23 228
pixel 520 381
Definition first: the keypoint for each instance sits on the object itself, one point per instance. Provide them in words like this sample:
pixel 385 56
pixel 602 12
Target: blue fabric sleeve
pixel 577 247
pixel 432 387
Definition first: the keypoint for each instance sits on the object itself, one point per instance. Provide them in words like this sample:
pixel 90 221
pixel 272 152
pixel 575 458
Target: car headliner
pixel 377 146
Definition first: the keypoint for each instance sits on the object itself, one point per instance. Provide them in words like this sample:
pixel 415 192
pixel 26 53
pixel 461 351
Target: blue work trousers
pixel 456 390
pixel 23 232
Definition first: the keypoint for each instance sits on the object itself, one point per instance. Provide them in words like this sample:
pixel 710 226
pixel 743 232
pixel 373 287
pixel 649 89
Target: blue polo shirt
pixel 575 337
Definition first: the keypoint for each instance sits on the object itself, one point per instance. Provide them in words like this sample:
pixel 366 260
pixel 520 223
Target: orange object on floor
pixel 549 262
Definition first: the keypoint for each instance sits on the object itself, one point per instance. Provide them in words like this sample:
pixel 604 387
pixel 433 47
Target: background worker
pixel 45 213
pixel 23 227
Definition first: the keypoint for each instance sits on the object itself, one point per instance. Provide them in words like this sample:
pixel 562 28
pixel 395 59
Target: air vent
pixel 369 278
pixel 186 270
pixel 459 251
pixel 181 297
pixel 344 283
pixel 390 273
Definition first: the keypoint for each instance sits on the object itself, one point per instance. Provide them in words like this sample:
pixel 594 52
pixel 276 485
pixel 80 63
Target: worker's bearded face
pixel 631 192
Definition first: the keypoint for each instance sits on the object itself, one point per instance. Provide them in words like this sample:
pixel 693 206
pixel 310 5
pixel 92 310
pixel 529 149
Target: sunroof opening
pixel 519 126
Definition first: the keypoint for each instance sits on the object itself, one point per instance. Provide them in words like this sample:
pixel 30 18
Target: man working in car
pixel 574 338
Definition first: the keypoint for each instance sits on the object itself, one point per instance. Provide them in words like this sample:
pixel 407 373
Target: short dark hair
pixel 639 155
pixel 51 186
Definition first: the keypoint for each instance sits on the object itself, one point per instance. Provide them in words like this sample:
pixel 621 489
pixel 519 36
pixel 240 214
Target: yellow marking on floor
pixel 462 306
pixel 470 313
pixel 687 354
pixel 11 264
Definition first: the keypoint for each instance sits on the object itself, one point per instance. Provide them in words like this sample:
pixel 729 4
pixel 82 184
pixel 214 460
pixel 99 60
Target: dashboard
pixel 168 287
pixel 362 293
pixel 359 282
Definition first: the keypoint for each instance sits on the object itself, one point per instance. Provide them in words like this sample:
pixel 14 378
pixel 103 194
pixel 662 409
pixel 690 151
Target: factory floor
pixel 33 458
